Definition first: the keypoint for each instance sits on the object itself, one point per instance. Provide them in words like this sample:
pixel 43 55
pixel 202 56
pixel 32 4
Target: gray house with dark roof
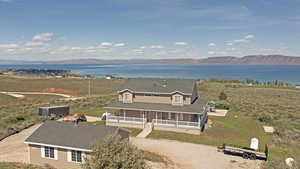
pixel 64 145
pixel 166 104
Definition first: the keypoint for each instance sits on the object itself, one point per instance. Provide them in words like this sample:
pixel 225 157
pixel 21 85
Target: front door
pixel 149 116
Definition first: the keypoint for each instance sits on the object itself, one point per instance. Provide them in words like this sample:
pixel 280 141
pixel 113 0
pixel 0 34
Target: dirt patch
pixel 193 156
pixel 58 91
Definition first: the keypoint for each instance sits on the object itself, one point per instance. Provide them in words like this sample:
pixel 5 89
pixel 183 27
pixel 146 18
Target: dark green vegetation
pixel 114 153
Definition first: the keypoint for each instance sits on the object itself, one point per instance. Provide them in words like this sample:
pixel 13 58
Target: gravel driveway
pixel 193 156
pixel 13 149
pixel 179 155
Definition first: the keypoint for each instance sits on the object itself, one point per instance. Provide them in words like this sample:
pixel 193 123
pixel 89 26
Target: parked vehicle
pixel 251 153
pixel 77 117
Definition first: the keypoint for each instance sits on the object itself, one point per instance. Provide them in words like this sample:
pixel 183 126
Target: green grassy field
pixel 250 109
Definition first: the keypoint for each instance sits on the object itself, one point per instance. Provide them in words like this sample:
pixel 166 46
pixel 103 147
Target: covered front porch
pixel 158 119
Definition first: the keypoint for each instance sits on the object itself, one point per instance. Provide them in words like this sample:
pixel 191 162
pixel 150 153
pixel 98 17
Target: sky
pixel 147 29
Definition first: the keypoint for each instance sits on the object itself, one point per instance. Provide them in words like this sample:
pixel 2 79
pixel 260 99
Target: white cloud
pixel 106 44
pixel 35 44
pixel 9 46
pixel 228 43
pixel 231 49
pixel 6 1
pixel 138 51
pixel 43 36
pixel 241 41
pixel 156 47
pixel 211 52
pixel 180 43
pixel 212 44
pixel 119 44
pixel 249 36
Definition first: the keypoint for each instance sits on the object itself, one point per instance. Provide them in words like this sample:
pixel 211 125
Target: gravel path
pixel 193 156
pixel 13 149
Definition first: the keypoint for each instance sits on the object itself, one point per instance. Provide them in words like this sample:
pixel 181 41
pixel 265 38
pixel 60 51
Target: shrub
pixel 114 153
pixel 222 96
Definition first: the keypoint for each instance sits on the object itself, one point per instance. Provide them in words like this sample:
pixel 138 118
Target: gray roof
pixel 195 108
pixel 158 85
pixel 68 134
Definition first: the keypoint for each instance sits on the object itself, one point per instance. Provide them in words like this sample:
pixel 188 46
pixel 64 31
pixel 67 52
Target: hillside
pixel 224 60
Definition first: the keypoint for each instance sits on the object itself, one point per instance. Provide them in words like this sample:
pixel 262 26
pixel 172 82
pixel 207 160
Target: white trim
pixel 83 156
pixel 56 146
pixel 127 108
pixel 55 154
pixel 42 151
pixel 69 155
pixel 29 149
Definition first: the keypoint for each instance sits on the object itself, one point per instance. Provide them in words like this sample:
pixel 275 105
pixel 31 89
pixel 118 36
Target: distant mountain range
pixel 224 60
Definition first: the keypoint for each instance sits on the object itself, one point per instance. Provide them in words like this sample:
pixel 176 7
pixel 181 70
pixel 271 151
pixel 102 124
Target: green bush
pixel 115 153
pixel 222 96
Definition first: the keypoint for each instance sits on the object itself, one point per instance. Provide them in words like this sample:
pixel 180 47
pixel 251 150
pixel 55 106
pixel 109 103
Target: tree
pixel 115 153
pixel 222 96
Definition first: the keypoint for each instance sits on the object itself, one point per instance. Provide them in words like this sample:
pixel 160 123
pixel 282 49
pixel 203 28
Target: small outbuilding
pixel 57 111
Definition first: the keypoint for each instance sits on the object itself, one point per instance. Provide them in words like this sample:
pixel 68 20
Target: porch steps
pixel 146 131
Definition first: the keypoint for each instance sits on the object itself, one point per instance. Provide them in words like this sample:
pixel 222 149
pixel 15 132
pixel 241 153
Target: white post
pixel 143 119
pixel 124 115
pixel 156 117
pixel 177 120
pixel 199 120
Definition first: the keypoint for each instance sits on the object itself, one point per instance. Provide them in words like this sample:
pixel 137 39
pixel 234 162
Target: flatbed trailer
pixel 245 152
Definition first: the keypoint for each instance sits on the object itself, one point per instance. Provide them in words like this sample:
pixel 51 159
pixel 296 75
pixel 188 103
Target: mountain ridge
pixel 225 60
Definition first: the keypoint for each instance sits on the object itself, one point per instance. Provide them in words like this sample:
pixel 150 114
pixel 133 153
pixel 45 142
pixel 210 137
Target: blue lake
pixel 239 72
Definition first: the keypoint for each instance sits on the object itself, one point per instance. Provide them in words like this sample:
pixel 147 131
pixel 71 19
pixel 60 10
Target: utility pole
pixel 89 87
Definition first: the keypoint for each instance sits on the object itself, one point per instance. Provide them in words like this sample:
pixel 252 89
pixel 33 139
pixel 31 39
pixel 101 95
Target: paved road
pixel 35 93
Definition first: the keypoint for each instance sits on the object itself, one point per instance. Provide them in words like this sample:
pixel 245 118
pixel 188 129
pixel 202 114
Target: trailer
pixel 57 111
pixel 245 152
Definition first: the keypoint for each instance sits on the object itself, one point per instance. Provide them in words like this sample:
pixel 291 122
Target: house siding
pixel 61 162
pixel 165 99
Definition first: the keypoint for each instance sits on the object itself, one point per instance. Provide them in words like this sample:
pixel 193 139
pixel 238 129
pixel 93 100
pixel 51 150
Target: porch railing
pixel 173 123
pixel 123 119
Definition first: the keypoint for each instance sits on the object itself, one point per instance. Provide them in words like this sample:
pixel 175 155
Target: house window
pixel 49 152
pixel 177 99
pixel 126 96
pixel 76 156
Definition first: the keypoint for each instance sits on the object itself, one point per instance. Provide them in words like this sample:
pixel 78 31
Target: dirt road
pixel 194 156
pixel 13 149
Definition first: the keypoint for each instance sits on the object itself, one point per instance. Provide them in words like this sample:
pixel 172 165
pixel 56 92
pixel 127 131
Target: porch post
pixel 143 119
pixel 156 117
pixel 177 120
pixel 199 120
pixel 124 113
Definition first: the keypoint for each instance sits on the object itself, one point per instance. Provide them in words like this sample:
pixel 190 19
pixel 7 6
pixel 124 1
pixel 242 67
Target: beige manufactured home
pixel 166 104
pixel 65 145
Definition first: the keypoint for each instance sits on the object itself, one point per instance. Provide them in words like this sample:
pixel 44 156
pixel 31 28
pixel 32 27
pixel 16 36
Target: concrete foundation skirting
pixel 130 125
pixel 181 130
